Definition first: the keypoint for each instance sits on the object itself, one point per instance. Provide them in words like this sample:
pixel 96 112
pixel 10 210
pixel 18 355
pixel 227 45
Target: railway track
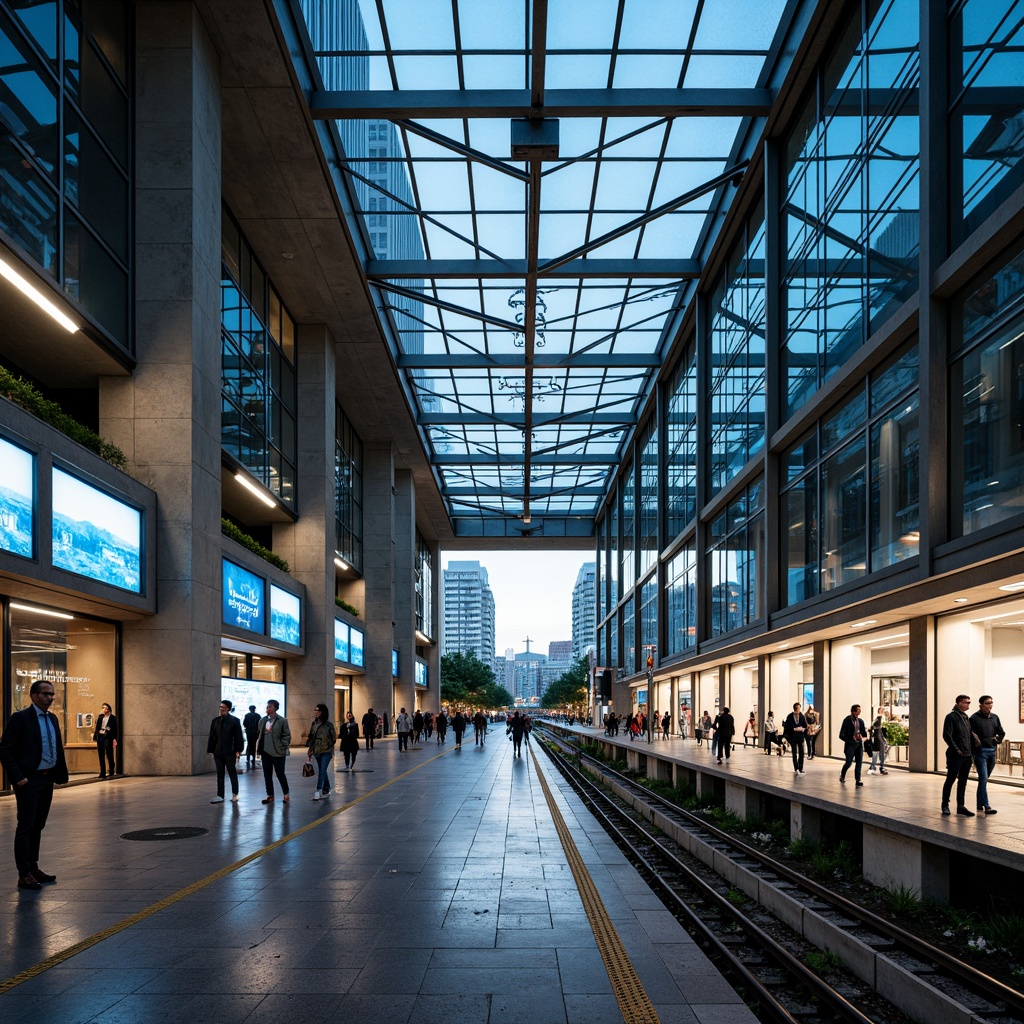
pixel 886 965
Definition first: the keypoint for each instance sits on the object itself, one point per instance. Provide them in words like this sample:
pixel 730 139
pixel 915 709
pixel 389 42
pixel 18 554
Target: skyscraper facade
pixel 468 611
pixel 584 610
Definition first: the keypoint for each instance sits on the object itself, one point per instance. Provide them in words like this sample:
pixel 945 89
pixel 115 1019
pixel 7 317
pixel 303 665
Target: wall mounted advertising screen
pixel 95 535
pixel 340 640
pixel 243 598
pixel 355 647
pixel 421 674
pixel 394 663
pixel 243 692
pixel 285 616
pixel 17 499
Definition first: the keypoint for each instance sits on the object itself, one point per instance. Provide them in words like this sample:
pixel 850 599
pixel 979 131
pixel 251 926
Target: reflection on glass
pixel 682 601
pixel 844 517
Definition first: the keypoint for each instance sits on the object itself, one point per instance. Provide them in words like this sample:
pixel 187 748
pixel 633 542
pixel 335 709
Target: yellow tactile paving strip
pixel 634 1003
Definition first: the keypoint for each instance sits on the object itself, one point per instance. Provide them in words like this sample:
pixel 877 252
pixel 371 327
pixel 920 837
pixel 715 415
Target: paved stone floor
pixel 441 892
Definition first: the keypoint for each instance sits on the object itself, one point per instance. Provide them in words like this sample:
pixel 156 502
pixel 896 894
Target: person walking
pixel 105 737
pixel 879 744
pixel 771 732
pixel 479 728
pixel 251 727
pixel 705 729
pixel 226 745
pixel 794 729
pixel 666 724
pixel 403 726
pixel 32 754
pixel 750 731
pixel 986 734
pixel 369 728
pixel 813 727
pixel 441 723
pixel 516 728
pixel 527 728
pixel 724 728
pixel 458 727
pixel 272 747
pixel 417 727
pixel 350 740
pixel 852 732
pixel 956 734
pixel 320 747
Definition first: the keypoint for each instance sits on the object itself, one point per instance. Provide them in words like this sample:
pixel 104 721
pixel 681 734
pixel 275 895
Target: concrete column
pixel 308 544
pixel 165 417
pixel 804 822
pixel 926 750
pixel 892 860
pixel 404 526
pixel 744 801
pixel 375 689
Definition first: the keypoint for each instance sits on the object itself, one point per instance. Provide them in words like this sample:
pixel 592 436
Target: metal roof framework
pixel 553 183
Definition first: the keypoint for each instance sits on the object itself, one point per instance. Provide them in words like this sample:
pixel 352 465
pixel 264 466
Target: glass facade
pixel 850 221
pixel 65 151
pixel 736 558
pixel 348 491
pixel 986 130
pixel 258 390
pixel 850 499
pixel 987 398
pixel 736 406
pixel 424 587
pixel 647 519
pixel 681 632
pixel 681 457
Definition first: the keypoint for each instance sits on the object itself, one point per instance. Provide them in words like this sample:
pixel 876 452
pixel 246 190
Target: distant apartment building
pixel 584 610
pixel 561 650
pixel 468 611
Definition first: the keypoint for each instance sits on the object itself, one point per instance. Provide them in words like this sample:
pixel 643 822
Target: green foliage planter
pixel 229 529
pixel 23 394
pixel 346 607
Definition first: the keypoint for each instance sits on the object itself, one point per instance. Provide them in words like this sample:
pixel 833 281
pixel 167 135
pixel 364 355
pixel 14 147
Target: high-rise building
pixel 468 611
pixel 584 610
pixel 560 650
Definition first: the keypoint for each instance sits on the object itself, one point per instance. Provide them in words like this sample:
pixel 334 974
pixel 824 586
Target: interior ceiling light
pixel 32 292
pixel 866 622
pixel 40 611
pixel 340 563
pixel 1012 588
pixel 959 600
pixel 259 492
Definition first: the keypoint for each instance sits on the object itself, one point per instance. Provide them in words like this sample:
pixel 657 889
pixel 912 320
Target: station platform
pixel 437 884
pixel 893 820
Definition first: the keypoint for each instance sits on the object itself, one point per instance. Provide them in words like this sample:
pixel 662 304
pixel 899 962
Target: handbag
pixel 308 771
pixel 869 747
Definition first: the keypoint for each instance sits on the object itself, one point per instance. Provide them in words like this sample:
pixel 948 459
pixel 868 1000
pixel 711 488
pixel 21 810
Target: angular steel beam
pixel 442 270
pixel 516 361
pixel 402 104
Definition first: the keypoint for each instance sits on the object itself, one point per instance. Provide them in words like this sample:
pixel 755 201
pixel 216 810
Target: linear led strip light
pixel 32 292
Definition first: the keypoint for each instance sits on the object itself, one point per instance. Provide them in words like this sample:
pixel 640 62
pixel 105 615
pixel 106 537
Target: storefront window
pixel 982 652
pixel 77 655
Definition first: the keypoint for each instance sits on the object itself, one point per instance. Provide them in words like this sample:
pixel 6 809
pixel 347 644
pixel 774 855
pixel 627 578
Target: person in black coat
pixel 853 732
pixel 724 728
pixel 516 728
pixel 251 725
pixel 795 729
pixel 105 738
pixel 226 745
pixel 32 754
pixel 458 727
pixel 370 721
pixel 349 736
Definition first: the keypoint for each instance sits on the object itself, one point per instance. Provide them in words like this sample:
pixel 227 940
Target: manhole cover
pixel 152 835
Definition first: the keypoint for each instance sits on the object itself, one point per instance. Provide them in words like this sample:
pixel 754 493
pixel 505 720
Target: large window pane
pixel 800 539
pixel 844 516
pixel 682 601
pixel 895 469
pixel 95 280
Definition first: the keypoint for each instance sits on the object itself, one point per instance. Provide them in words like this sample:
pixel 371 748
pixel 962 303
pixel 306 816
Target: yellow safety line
pixel 634 1003
pixel 167 901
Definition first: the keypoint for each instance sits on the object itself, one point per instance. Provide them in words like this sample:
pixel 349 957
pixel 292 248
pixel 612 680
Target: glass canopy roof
pixel 533 185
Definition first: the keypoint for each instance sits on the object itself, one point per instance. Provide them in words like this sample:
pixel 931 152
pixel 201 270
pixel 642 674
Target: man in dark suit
pixel 226 745
pixel 105 737
pixel 251 725
pixel 853 732
pixel 32 754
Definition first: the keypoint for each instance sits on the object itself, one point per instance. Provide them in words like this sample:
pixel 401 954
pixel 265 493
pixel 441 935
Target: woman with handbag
pixel 813 725
pixel 320 748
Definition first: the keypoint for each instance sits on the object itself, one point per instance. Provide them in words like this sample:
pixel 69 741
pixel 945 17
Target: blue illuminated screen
pixel 340 640
pixel 356 647
pixel 95 535
pixel 394 663
pixel 17 500
pixel 285 616
pixel 421 674
pixel 243 598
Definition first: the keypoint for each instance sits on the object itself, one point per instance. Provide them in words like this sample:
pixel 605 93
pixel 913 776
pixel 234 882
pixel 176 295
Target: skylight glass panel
pixel 647 71
pixel 720 29
pixel 668 24
pixel 497 24
pixel 570 28
pixel 577 71
pixel 718 71
pixel 419 24
pixel 423 72
pixel 494 71
pixel 624 185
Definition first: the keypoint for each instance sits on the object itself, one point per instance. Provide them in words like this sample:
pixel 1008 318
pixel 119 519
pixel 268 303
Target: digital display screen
pixel 243 692
pixel 394 663
pixel 285 616
pixel 95 535
pixel 243 598
pixel 355 653
pixel 17 499
pixel 340 640
pixel 421 673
